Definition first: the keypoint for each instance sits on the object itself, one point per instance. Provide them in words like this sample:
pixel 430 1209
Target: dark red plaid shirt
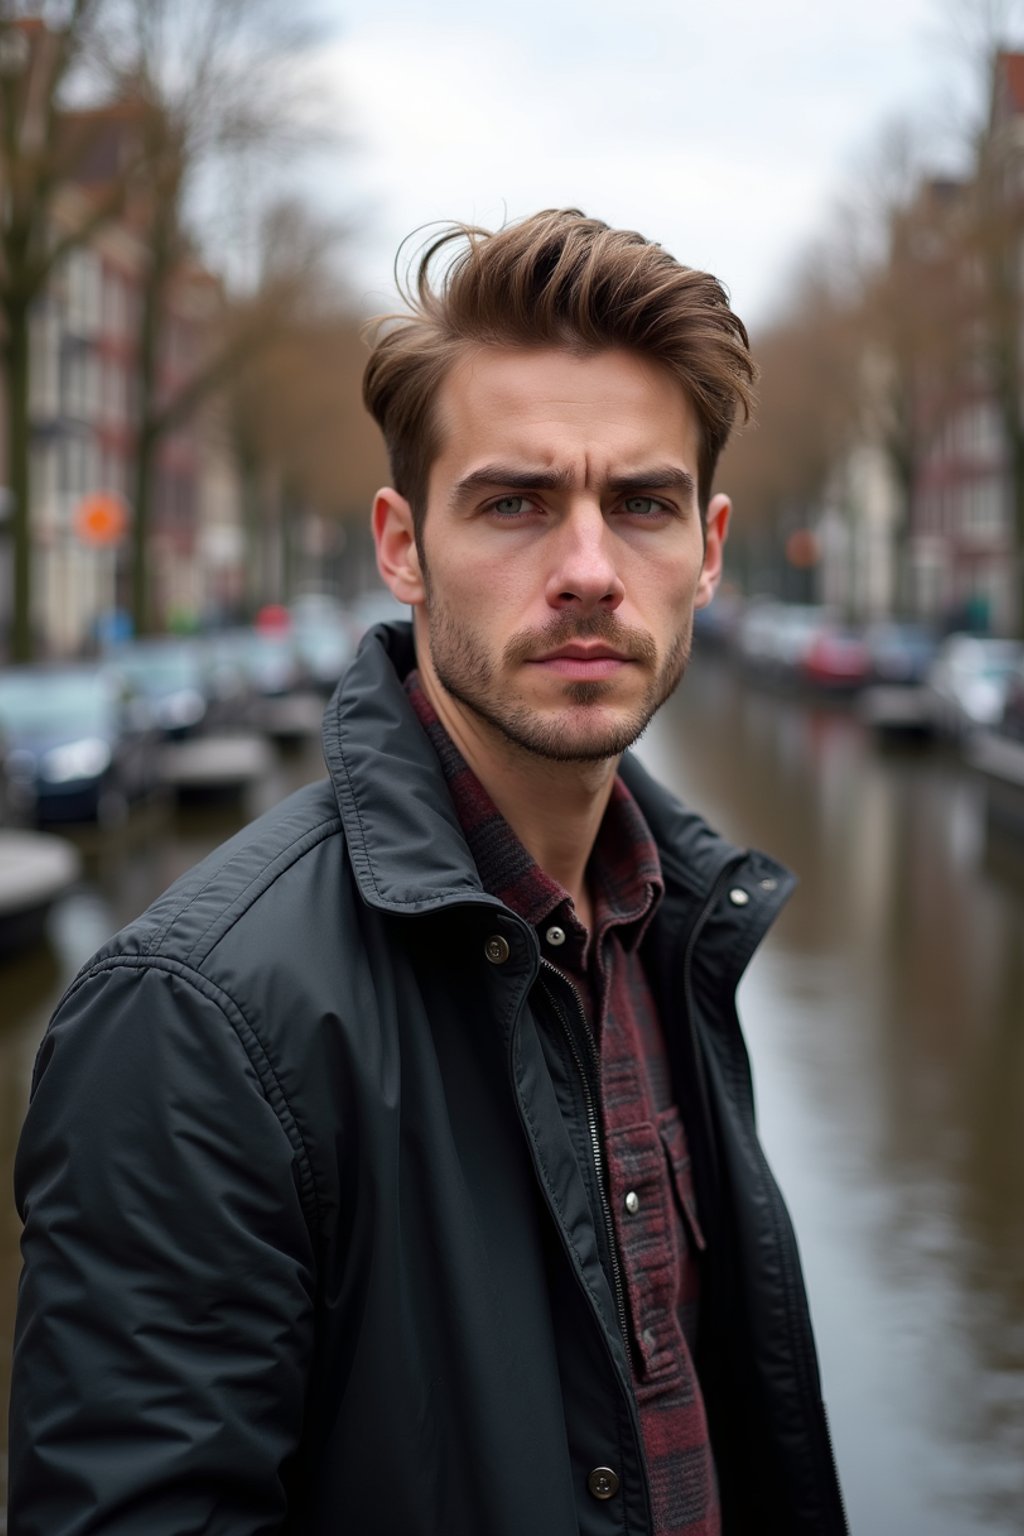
pixel 646 1163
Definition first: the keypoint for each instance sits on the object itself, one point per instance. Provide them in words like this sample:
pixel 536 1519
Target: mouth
pixel 583 662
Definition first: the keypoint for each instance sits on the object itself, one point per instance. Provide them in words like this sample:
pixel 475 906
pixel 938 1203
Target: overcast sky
pixel 722 128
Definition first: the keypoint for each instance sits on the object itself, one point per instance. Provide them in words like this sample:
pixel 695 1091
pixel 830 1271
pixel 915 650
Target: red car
pixel 837 659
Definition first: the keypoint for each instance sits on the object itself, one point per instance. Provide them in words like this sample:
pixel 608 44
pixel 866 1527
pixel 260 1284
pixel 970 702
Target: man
pixel 396 1172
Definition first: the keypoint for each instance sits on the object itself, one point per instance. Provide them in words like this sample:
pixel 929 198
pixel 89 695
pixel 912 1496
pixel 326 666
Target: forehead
pixel 610 411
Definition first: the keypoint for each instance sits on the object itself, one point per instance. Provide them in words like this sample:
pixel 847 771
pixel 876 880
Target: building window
pixel 80 468
pixel 83 292
pixel 45 476
pixel 115 403
pixel 115 304
pixel 92 385
pixel 44 365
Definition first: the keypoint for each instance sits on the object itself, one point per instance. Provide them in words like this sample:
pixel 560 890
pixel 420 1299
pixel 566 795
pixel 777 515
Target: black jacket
pixel 307 1243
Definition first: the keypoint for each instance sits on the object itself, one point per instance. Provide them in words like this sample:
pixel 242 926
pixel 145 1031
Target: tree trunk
pixel 144 464
pixel 18 445
pixel 291 529
pixel 1017 525
pixel 904 594
pixel 147 439
pixel 252 526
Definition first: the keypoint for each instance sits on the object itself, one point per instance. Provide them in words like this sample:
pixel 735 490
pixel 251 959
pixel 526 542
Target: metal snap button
pixel 496 949
pixel 632 1202
pixel 603 1483
pixel 738 896
pixel 769 884
pixel 555 935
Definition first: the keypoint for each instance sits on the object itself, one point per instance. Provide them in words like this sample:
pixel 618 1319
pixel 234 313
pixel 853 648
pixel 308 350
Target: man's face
pixel 562 548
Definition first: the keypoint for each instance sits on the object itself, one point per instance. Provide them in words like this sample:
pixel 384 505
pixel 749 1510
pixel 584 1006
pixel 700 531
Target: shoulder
pixel 272 861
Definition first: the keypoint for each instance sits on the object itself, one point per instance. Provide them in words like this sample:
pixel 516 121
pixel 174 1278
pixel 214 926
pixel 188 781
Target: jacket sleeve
pixel 165 1313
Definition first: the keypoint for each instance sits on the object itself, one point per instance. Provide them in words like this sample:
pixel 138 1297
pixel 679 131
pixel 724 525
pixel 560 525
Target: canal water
pixel 885 1016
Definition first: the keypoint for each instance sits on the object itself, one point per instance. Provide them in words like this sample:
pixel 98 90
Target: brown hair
pixel 555 279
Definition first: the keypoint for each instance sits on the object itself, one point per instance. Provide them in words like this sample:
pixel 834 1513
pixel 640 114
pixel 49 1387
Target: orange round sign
pixel 802 549
pixel 101 518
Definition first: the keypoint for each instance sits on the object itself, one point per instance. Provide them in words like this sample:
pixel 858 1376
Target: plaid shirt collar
pixel 624 872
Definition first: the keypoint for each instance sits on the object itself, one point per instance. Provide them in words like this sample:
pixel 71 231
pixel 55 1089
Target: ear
pixel 398 558
pixel 716 527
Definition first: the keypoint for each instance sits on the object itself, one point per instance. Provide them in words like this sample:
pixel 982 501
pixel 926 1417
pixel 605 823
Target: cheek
pixel 667 591
pixel 491 588
pixel 476 596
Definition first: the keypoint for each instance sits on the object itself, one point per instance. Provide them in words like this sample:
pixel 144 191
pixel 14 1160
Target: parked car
pixel 378 606
pixel 81 744
pixel 269 659
pixel 901 654
pixel 775 639
pixel 174 676
pixel 323 637
pixel 1012 722
pixel 6 811
pixel 896 704
pixel 315 607
pixel 837 659
pixel 757 633
pixel 969 681
pixel 799 626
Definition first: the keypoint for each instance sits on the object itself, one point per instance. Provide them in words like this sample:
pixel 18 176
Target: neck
pixel 555 809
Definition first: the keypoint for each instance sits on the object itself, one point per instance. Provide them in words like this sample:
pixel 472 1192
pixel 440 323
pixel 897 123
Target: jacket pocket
pixel 645 1225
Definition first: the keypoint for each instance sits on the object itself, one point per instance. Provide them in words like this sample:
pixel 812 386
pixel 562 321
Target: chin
pixel 563 737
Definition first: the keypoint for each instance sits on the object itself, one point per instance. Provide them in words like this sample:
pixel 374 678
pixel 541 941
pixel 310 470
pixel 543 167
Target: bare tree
pixel 42 47
pixel 997 249
pixel 916 316
pixel 215 85
pixel 301 435
pixel 779 469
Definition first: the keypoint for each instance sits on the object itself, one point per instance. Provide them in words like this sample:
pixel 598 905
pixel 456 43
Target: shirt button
pixel 555 935
pixel 603 1483
pixel 632 1202
pixel 496 949
pixel 738 896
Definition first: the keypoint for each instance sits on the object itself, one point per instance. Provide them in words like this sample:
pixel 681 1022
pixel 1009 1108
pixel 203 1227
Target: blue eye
pixel 643 506
pixel 510 506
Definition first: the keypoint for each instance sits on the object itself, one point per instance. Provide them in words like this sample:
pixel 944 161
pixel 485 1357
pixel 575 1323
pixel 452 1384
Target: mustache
pixel 567 626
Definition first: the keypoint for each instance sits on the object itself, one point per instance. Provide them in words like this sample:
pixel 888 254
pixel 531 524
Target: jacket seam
pixel 248 1037
pixel 287 856
pixel 364 859
pixel 273 872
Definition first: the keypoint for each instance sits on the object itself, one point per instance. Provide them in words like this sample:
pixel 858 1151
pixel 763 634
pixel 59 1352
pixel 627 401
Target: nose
pixel 583 573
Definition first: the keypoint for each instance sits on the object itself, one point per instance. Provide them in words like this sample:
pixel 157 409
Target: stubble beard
pixel 575 734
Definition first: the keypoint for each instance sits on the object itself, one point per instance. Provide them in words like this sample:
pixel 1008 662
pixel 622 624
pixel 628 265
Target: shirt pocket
pixel 641 1193
pixel 673 1139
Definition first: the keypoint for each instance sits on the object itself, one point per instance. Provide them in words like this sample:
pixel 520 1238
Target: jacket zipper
pixel 597 1152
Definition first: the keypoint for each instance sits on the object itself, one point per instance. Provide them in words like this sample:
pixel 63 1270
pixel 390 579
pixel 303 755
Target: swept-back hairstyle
pixel 554 279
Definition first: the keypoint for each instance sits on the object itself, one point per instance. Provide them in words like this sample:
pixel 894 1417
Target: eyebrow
pixel 661 477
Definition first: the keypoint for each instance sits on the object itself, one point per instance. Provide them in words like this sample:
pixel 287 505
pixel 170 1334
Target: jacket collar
pixel 407 849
